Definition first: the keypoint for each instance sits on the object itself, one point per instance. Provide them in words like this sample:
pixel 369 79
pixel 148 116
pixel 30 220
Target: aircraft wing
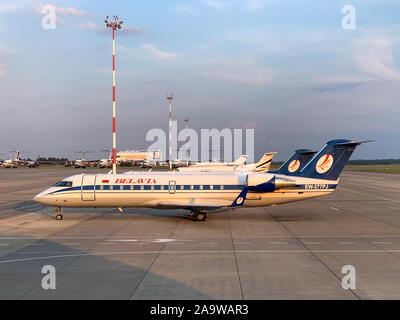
pixel 193 204
pixel 189 206
pixel 199 204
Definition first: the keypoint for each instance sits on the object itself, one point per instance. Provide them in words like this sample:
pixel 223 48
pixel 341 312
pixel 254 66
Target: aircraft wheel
pixel 201 216
pixel 59 216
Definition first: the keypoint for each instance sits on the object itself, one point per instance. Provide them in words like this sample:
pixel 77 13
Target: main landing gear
pixel 59 215
pixel 198 215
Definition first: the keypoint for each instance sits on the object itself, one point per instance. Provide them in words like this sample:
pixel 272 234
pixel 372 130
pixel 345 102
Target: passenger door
pixel 88 187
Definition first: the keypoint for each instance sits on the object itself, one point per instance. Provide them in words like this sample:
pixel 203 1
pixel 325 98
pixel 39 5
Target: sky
pixel 286 68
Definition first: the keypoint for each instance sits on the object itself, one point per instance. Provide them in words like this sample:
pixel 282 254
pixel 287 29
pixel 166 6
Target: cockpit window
pixel 63 183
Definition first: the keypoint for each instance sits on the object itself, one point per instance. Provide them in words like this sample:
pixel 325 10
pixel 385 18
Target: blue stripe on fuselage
pixel 148 187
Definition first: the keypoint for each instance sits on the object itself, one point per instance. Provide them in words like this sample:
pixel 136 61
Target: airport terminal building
pixel 138 155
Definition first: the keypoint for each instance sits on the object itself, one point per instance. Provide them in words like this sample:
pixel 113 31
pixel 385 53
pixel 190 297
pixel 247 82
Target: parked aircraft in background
pixel 239 162
pixel 261 166
pixel 201 191
pixel 33 164
pixel 83 163
pixel 14 161
pixel 106 163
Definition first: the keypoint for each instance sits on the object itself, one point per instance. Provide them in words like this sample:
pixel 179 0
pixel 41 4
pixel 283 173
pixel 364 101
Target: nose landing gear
pixel 59 215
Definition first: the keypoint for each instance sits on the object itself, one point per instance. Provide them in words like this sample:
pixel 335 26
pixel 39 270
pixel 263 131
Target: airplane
pixel 1 160
pixel 261 166
pixel 106 163
pixel 82 163
pixel 13 163
pixel 33 164
pixel 202 191
pixel 239 162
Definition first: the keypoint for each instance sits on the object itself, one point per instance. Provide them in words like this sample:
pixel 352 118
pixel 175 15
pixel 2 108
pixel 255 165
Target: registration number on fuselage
pixel 316 186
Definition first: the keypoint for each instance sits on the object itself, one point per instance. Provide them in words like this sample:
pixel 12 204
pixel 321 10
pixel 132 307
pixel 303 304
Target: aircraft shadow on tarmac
pixel 82 275
pixel 31 206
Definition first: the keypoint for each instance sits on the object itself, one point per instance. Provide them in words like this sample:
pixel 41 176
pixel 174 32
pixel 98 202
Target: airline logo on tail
pixel 294 165
pixel 324 163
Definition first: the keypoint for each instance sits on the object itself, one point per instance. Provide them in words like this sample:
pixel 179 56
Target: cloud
pixel 159 53
pixel 131 31
pixel 374 55
pixel 255 5
pixel 241 72
pixel 185 10
pixel 60 10
pixel 215 4
pixel 88 25
pixel 8 7
pixel 2 71
pixel 340 83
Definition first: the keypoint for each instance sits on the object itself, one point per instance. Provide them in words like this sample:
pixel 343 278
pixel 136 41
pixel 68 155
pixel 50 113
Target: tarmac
pixel 290 251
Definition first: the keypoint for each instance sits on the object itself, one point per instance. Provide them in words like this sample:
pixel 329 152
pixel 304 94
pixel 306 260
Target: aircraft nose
pixel 41 197
pixel 38 198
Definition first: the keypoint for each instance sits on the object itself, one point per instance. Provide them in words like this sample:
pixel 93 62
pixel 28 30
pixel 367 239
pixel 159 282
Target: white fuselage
pixel 177 190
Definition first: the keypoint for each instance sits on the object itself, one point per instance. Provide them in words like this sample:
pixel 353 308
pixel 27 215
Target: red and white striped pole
pixel 187 141
pixel 170 97
pixel 114 25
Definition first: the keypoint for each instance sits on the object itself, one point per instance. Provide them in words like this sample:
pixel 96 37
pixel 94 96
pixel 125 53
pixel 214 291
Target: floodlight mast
pixel 114 25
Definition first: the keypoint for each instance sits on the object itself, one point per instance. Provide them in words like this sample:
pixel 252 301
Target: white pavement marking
pixel 333 208
pixel 16 218
pixel 312 242
pixel 381 242
pixel 196 252
pixel 124 240
pixel 4 244
pixel 386 199
pixel 70 243
pixel 34 244
pixel 242 243
pixel 347 242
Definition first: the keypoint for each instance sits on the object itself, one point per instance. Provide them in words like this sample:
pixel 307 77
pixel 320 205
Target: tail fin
pixel 37 162
pixel 330 161
pixel 264 163
pixel 296 162
pixel 240 161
